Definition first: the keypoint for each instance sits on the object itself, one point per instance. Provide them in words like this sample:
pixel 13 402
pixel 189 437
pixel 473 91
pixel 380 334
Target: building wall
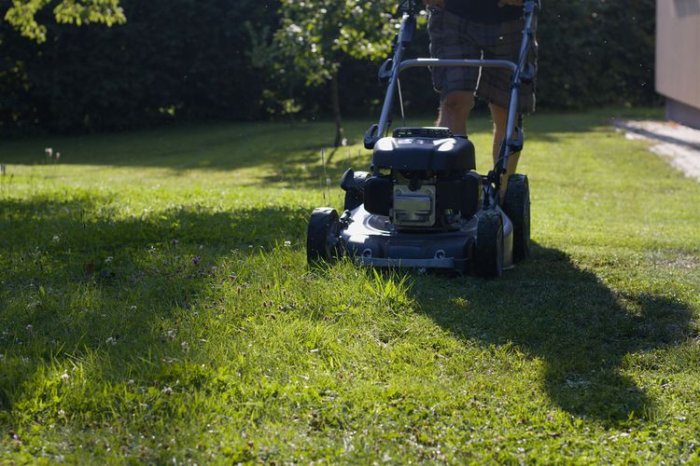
pixel 678 53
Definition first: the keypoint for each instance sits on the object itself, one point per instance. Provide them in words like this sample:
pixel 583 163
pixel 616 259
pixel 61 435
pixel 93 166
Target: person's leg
pixel 500 119
pixel 454 111
pixel 449 40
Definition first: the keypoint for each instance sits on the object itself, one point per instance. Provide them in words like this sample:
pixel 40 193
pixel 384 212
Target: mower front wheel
pixel 321 236
pixel 488 251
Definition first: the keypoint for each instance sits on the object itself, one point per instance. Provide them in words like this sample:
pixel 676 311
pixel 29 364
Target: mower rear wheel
pixel 320 236
pixel 488 251
pixel 516 206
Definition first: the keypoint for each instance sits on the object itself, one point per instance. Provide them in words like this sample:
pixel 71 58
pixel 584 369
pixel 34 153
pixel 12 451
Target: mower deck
pixel 373 241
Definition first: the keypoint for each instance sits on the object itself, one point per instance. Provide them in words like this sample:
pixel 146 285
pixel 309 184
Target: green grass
pixel 156 307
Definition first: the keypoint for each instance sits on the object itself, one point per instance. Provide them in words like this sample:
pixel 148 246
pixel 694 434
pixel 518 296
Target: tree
pixel 317 35
pixel 22 14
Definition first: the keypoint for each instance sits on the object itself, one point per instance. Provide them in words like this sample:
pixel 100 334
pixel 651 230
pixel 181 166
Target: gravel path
pixel 678 144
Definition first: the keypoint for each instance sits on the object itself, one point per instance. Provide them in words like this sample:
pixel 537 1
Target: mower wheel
pixel 488 251
pixel 320 236
pixel 517 207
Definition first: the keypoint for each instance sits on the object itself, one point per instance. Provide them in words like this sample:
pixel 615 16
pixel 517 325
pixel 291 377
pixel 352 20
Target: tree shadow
pixel 284 147
pixel 582 330
pixel 76 280
pixel 213 147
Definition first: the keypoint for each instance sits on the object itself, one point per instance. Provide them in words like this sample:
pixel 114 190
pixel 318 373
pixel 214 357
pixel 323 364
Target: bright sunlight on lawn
pixel 156 306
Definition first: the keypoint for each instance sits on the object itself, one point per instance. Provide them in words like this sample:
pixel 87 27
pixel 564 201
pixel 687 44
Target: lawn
pixel 155 306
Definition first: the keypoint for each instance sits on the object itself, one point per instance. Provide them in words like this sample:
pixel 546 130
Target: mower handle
pixel 520 72
pixel 456 63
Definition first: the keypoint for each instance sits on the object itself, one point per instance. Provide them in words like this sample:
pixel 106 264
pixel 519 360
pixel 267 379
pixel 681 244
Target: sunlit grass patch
pixel 156 304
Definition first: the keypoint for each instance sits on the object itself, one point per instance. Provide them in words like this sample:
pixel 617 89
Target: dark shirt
pixel 483 11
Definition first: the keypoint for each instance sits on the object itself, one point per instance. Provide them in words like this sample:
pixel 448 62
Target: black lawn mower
pixel 422 205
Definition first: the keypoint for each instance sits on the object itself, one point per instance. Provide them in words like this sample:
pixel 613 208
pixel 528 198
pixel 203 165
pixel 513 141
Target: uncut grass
pixel 155 304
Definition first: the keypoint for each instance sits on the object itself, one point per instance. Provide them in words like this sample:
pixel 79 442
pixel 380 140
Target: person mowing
pixel 474 29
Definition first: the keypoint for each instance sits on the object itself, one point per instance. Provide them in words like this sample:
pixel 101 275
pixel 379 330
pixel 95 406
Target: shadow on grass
pixel 582 330
pixel 216 147
pixel 79 283
pixel 283 146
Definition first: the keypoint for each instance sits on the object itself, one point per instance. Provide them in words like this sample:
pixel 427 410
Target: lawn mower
pixel 422 204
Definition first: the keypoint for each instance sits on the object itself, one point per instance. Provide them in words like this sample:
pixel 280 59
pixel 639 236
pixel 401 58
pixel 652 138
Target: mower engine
pixel 422 179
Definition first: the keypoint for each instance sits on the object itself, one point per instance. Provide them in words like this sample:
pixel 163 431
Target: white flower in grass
pixel 109 260
pixel 287 243
pixel 56 239
pixel 111 341
pixel 49 152
pixel 65 377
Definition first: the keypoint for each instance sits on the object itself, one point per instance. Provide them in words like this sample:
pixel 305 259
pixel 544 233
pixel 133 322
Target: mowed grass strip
pixel 155 306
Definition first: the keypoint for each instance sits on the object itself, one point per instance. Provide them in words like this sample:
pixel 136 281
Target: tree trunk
pixel 335 98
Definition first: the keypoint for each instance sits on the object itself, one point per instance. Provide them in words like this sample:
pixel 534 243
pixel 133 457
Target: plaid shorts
pixel 454 37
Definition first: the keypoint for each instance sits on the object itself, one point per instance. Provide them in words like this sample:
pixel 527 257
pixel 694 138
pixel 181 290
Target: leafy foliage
pixel 319 34
pixel 22 14
pixel 173 60
pixel 179 60
pixel 596 52
pixel 316 36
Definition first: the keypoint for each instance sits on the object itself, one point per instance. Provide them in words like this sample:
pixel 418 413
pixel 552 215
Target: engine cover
pixel 422 154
